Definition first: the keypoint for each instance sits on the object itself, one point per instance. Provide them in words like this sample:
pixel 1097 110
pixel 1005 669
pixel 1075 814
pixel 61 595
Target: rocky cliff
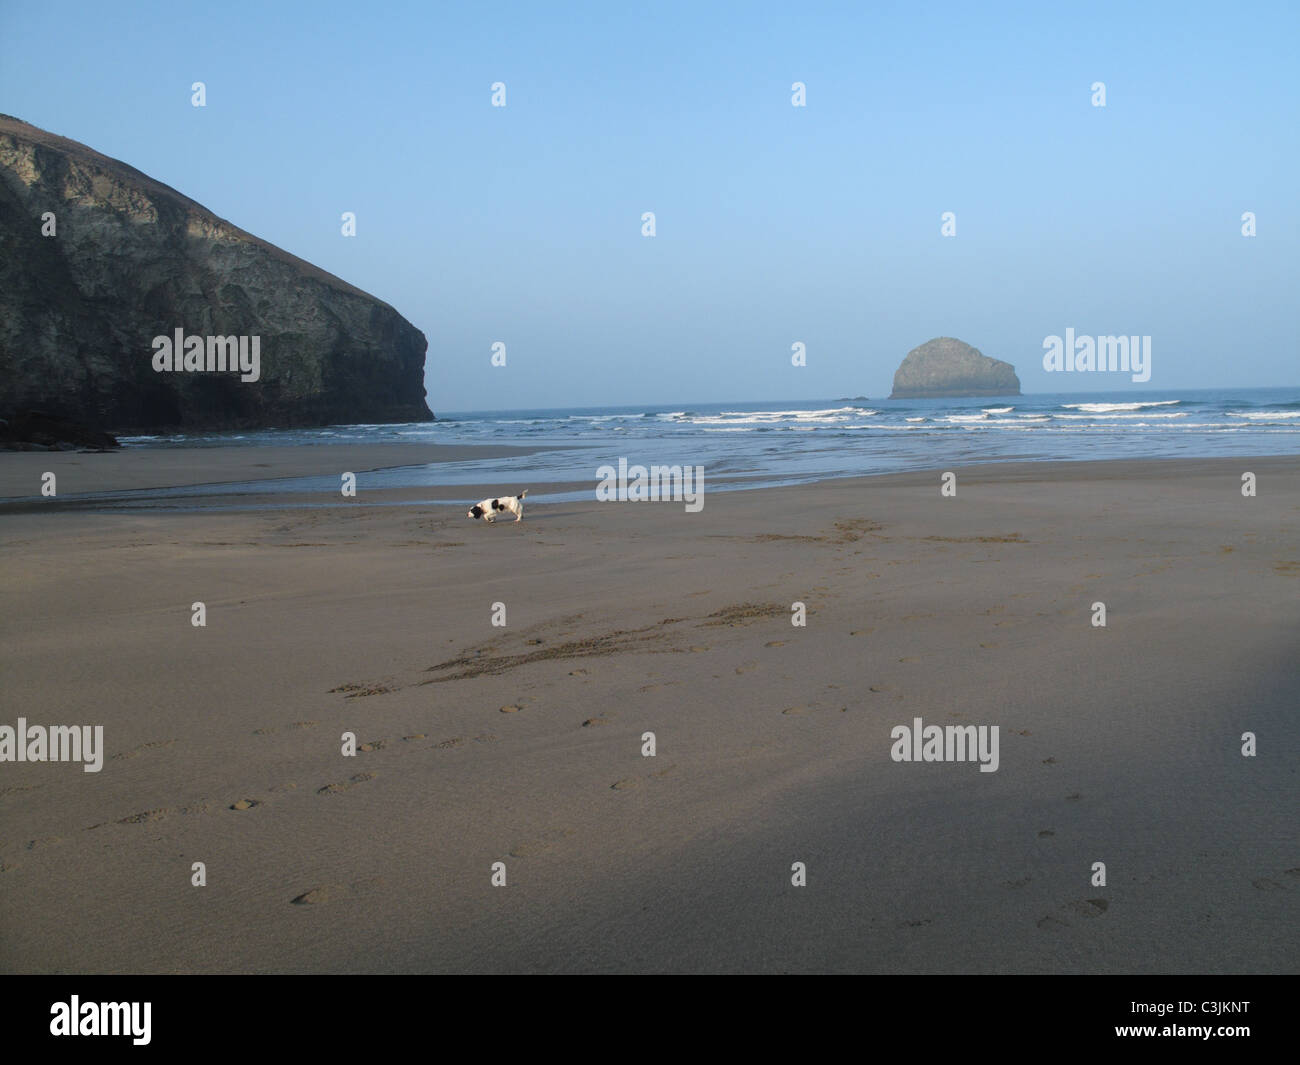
pixel 947 368
pixel 97 260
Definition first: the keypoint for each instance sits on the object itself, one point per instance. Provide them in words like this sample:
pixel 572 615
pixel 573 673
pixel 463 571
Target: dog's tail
pixel 523 493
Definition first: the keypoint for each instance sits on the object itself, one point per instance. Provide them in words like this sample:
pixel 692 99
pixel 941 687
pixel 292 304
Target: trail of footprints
pixel 244 803
pixel 483 659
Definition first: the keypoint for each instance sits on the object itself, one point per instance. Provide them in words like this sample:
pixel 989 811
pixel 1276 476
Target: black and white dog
pixel 490 508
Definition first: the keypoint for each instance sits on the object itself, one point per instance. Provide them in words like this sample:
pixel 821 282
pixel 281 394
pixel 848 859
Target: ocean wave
pixel 998 410
pixel 1121 415
pixel 806 419
pixel 779 415
pixel 875 427
pixel 1106 408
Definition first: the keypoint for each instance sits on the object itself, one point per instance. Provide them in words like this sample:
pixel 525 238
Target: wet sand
pixel 523 744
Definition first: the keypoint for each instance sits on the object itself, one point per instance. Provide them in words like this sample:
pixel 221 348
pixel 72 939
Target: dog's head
pixel 476 511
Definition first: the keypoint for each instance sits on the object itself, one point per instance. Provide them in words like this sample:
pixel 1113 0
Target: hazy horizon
pixel 775 224
pixel 679 401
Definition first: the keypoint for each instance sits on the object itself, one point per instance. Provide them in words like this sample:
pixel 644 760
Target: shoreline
pixel 189 471
pixel 140 469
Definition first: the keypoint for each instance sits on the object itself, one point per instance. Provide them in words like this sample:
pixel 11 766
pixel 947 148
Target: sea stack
pixel 945 368
pixel 98 261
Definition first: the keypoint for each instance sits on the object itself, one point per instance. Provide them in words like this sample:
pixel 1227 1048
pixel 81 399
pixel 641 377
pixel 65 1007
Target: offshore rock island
pixel 946 368
pixel 98 259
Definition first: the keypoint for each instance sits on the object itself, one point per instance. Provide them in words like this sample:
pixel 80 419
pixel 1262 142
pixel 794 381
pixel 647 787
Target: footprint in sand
pixel 797 711
pixel 1085 908
pixel 577 672
pixel 337 892
pixel 747 667
pixel 135 751
pixel 863 632
pixel 541 845
pixel 1266 884
pixel 244 804
pixel 1045 833
pixel 45 841
pixel 414 737
pixel 592 722
pixel 373 745
pixel 447 745
pixel 909 658
pixel 774 643
pixel 633 782
pixel 351 782
pixel 511 709
pixel 1017 883
pixel 145 816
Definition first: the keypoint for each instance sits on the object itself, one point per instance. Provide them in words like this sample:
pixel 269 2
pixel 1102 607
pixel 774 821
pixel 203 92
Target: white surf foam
pixel 1106 408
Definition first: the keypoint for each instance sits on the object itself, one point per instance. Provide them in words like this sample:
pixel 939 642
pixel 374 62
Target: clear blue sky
pixel 775 224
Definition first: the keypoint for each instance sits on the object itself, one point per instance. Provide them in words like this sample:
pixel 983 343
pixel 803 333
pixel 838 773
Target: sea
pixel 748 445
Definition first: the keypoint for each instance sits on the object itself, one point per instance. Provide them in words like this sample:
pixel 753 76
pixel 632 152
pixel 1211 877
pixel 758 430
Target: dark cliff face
pixel 945 368
pixel 131 260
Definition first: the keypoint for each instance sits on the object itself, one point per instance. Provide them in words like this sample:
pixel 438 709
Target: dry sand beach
pixel 523 744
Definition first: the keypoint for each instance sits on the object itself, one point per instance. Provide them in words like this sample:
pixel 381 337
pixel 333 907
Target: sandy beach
pixel 523 744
